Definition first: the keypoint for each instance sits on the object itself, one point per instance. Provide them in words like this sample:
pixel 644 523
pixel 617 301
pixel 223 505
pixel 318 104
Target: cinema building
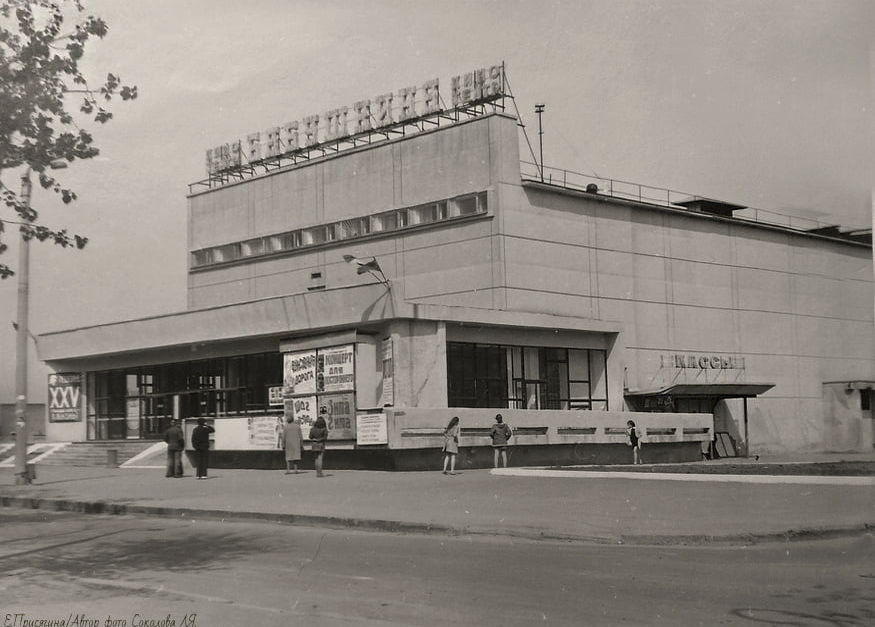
pixel 397 263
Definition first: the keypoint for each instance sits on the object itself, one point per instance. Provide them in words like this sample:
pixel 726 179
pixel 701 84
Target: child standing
pixel 634 440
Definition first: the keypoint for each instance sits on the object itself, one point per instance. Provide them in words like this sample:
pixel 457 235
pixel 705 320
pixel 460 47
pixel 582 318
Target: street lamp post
pixel 22 476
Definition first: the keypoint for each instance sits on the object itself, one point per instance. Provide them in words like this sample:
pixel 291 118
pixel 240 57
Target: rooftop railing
pixel 661 196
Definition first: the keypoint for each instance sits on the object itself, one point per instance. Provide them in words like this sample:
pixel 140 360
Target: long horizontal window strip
pixel 214 281
pixel 352 228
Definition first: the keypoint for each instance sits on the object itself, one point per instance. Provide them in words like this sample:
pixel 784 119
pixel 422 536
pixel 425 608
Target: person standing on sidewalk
pixel 500 434
pixel 451 444
pixel 200 442
pixel 175 445
pixel 292 437
pixel 634 440
pixel 319 435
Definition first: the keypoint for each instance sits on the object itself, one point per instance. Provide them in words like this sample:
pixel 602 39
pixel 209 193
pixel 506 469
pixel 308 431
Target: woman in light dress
pixel 451 444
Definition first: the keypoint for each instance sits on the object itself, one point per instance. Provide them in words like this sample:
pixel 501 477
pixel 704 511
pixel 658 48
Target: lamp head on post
pixel 371 266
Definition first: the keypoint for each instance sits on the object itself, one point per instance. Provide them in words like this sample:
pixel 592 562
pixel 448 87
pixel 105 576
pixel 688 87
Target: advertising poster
pixel 275 396
pixel 304 411
pixel 133 418
pixel 299 372
pixel 371 429
pixel 265 432
pixel 336 369
pixel 341 415
pixel 387 395
pixel 64 395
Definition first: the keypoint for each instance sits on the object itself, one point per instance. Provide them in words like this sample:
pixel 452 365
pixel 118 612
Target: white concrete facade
pixel 536 264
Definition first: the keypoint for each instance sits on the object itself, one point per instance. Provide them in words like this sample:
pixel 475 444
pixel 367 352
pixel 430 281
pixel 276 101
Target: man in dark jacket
pixel 200 442
pixel 175 445
pixel 500 434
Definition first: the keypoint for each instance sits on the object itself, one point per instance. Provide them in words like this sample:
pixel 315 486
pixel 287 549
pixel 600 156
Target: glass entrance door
pixel 112 428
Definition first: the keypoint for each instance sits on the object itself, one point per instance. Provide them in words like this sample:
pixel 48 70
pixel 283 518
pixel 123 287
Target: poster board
pixel 299 373
pixel 304 410
pixel 371 429
pixel 64 397
pixel 387 391
pixel 340 417
pixel 336 369
pixel 321 378
pixel 249 433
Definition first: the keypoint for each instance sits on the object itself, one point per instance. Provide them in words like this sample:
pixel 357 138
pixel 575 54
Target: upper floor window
pixel 252 247
pixel 469 205
pixel 228 252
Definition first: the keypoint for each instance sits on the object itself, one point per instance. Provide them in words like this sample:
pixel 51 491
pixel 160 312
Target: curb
pixel 746 539
pixel 122 509
pixel 392 526
pixel 680 476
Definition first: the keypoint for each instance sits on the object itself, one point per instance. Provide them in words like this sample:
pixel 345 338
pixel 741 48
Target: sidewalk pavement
pixel 527 503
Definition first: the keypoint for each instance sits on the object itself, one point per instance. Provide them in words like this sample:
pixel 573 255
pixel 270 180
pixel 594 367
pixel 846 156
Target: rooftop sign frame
pixel 408 110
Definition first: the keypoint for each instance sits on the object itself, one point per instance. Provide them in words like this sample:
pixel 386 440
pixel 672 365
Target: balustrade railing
pixel 653 195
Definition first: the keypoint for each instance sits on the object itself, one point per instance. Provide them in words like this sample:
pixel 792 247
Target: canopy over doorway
pixel 699 398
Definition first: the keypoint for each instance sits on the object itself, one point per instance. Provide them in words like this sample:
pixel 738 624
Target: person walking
pixel 634 440
pixel 451 444
pixel 319 435
pixel 500 434
pixel 292 438
pixel 175 439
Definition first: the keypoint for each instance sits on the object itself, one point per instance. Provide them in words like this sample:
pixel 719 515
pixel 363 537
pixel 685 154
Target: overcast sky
pixel 758 103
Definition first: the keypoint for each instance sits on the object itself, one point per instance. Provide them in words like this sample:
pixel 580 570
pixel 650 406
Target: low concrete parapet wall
pixel 541 438
pixel 423 428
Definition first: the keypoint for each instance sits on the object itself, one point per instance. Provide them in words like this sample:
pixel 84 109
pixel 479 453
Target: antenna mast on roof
pixel 539 109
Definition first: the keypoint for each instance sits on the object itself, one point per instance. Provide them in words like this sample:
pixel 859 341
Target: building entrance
pixel 706 398
pixel 138 403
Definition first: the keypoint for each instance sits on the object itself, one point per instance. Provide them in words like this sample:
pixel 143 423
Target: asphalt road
pixel 124 571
